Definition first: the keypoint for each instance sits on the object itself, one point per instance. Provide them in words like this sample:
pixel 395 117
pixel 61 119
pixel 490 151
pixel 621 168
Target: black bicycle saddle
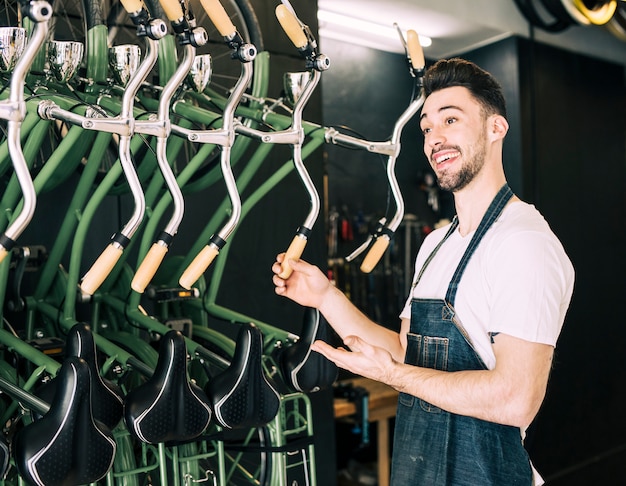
pixel 242 396
pixel 168 407
pixel 302 369
pixel 107 403
pixel 67 445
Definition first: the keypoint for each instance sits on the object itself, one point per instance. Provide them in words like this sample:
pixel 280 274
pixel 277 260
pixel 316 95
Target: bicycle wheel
pixel 9 13
pixel 226 70
pixel 68 22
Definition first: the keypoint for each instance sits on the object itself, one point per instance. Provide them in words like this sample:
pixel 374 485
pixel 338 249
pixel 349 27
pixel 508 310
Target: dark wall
pixel 580 174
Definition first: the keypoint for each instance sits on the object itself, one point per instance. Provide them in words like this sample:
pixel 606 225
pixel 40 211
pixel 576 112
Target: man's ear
pixel 498 127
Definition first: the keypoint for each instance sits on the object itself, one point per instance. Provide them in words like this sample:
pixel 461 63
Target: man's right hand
pixel 307 285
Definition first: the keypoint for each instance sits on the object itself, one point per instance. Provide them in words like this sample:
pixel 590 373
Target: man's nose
pixel 435 138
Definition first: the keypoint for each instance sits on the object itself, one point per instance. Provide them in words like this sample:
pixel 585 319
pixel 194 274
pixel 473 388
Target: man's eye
pixel 425 131
pixel 450 120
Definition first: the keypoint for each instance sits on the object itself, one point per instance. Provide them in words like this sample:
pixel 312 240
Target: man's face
pixel 455 140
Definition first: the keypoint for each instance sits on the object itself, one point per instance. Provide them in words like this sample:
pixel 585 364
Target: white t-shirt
pixel 519 281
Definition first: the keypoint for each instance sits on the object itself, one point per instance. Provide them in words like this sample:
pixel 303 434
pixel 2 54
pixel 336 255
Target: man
pixel 477 335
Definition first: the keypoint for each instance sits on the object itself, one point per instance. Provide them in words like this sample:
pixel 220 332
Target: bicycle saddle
pixel 168 407
pixel 107 404
pixel 304 370
pixel 67 445
pixel 241 395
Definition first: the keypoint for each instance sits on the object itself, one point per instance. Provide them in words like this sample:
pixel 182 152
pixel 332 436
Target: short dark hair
pixel 460 72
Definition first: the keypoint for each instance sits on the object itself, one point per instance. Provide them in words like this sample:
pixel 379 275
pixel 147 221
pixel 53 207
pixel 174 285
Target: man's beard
pixel 458 180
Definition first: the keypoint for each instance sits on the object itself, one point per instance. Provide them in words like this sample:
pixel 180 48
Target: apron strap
pixel 453 226
pixel 493 212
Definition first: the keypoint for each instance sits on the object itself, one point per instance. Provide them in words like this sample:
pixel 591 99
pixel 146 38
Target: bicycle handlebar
pixel 302 39
pixel 132 6
pixel 101 268
pixel 219 17
pixel 294 252
pixel 291 26
pixel 383 233
pixel 375 253
pixel 224 137
pixel 153 30
pixel 14 110
pixel 172 9
pixel 414 50
pixel 148 267
pixel 151 262
pixel 197 267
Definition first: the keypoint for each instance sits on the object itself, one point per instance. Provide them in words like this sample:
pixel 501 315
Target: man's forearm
pixel 509 394
pixel 347 320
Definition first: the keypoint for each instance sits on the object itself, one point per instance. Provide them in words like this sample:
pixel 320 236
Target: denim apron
pixel 433 447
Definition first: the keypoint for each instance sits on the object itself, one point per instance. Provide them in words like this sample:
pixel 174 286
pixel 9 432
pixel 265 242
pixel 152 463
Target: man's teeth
pixel 444 157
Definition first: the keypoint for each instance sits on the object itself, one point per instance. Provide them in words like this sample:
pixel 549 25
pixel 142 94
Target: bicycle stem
pixel 14 111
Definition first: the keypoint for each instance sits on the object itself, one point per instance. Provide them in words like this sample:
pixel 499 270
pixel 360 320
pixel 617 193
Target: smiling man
pixel 489 297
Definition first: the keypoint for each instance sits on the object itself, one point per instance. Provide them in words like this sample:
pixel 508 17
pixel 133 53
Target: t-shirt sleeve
pixel 530 292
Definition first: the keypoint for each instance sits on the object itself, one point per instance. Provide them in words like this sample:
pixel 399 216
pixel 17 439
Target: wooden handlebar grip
pixel 291 26
pixel 198 266
pixel 172 9
pixel 101 269
pixel 294 252
pixel 148 267
pixel 132 6
pixel 415 50
pixel 219 17
pixel 374 255
pixel 3 253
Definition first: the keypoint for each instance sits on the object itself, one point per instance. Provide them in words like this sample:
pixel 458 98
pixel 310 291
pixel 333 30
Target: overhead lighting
pixel 363 32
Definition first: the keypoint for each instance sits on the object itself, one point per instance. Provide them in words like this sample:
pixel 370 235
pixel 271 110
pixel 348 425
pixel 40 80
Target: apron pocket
pixel 426 352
